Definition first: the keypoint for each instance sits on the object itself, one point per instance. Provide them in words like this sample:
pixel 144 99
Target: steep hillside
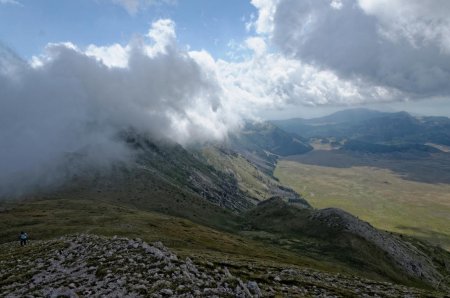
pixel 251 179
pixel 336 234
pixel 207 186
pixel 166 177
pixel 160 175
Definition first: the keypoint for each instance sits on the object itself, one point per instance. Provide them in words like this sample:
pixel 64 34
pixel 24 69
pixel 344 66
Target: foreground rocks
pixel 89 265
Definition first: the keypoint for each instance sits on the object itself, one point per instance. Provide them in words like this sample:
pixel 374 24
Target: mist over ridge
pixel 71 103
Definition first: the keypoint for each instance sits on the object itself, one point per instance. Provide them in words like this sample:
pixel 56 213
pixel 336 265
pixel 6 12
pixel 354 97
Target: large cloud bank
pixel 70 102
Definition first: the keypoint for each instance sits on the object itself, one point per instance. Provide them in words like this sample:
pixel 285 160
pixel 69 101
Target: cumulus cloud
pixel 75 102
pixel 257 45
pixel 398 45
pixel 114 55
pixel 266 11
pixel 272 80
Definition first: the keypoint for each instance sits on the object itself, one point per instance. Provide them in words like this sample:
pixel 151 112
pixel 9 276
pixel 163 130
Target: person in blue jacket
pixel 23 237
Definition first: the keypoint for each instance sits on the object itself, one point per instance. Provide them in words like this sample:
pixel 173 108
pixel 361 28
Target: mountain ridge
pixel 132 267
pixel 370 131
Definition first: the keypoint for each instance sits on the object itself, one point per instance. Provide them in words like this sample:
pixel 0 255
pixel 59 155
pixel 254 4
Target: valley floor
pixel 379 196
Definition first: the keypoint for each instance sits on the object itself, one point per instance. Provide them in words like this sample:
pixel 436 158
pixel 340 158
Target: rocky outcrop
pixel 412 261
pixel 89 265
pixel 336 234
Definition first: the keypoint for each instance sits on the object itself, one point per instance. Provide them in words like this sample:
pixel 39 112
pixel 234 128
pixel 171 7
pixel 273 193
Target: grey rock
pixel 167 292
pixel 254 288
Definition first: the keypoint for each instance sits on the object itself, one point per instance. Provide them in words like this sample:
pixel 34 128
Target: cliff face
pixel 90 265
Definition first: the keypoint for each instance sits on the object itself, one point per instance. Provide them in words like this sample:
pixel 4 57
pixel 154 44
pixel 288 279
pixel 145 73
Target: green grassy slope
pixel 276 237
pixel 50 218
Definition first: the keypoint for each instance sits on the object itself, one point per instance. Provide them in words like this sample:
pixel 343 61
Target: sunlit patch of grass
pixel 250 179
pixel 64 216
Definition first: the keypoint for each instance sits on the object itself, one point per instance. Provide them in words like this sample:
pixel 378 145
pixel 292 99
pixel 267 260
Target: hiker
pixel 23 237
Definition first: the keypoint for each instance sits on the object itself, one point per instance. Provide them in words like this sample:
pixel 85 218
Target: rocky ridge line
pixel 407 257
pixel 89 265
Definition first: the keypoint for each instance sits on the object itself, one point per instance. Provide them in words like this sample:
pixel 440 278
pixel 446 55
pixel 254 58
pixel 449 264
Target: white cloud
pixel 266 11
pixel 163 33
pixel 274 81
pixel 257 45
pixel 112 56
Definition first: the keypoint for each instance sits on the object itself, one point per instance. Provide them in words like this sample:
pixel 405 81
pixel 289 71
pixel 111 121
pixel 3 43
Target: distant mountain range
pixel 362 128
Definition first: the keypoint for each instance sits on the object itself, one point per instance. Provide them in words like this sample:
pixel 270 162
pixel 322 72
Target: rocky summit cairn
pixel 92 266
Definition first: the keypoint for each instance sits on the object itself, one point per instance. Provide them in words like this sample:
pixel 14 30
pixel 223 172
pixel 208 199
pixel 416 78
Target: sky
pixel 28 26
pixel 74 74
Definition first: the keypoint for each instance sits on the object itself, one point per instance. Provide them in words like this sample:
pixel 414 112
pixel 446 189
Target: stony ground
pixel 89 265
